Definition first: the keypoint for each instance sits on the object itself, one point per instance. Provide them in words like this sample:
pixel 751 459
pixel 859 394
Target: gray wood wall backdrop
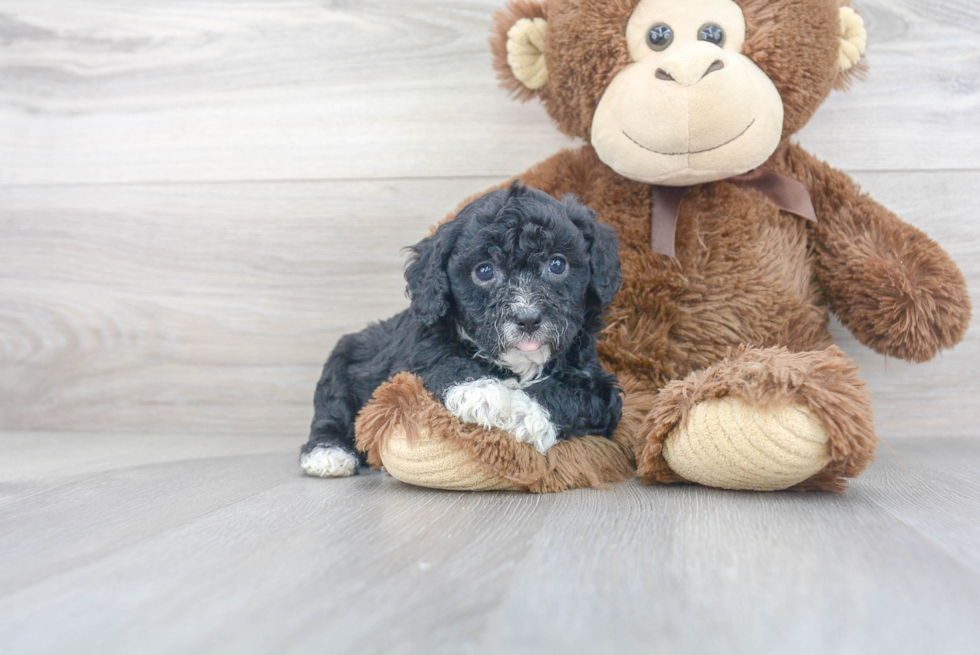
pixel 198 197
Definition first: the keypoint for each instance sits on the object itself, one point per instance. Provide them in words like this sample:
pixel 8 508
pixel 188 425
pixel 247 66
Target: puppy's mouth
pixel 541 341
pixel 529 346
pixel 519 341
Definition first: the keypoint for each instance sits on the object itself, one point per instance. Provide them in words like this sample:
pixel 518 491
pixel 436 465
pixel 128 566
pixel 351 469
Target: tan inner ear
pixel 525 52
pixel 853 39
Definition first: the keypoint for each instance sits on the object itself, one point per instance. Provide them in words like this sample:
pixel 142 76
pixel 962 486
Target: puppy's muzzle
pixel 528 331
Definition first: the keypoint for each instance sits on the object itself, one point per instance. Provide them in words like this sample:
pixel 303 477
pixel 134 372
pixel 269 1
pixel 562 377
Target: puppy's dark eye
pixel 660 37
pixel 558 266
pixel 483 272
pixel 712 34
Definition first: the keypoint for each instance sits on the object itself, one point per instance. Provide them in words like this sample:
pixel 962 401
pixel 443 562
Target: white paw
pixel 484 402
pixel 328 462
pixel 532 423
pixel 492 403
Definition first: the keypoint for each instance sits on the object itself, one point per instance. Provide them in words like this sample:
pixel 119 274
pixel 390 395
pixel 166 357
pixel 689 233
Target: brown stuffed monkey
pixel 735 244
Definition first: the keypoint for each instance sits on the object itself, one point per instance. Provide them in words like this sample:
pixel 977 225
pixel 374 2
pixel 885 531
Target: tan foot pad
pixel 417 441
pixel 729 444
pixel 437 464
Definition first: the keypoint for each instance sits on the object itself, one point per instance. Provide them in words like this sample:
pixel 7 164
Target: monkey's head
pixel 678 92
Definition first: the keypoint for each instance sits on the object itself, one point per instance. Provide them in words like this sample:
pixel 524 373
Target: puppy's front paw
pixel 485 402
pixel 495 404
pixel 328 462
pixel 532 423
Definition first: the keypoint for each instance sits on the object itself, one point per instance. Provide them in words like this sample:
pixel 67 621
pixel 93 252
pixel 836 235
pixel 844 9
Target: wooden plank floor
pixel 123 544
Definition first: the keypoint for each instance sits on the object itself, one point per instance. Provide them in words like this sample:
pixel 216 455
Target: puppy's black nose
pixel 529 321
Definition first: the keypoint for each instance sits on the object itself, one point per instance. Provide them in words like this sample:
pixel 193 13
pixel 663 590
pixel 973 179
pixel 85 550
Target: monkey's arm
pixel 896 290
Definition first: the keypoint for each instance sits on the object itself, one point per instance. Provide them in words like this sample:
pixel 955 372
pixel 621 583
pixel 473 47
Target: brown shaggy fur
pixel 895 289
pixel 746 276
pixel 571 464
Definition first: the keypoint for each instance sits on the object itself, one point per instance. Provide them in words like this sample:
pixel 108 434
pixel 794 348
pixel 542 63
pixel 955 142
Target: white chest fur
pixel 525 365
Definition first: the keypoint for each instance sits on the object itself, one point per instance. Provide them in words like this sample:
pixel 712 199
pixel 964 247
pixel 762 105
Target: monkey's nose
pixel 716 65
pixel 529 321
pixel 687 73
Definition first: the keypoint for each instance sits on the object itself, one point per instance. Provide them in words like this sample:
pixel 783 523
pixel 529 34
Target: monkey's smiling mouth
pixel 692 152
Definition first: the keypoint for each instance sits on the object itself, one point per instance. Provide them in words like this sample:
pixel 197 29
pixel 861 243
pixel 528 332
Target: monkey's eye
pixel 660 37
pixel 483 272
pixel 558 266
pixel 712 34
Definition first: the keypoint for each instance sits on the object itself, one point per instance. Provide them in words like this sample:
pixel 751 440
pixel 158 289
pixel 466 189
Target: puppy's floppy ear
pixel 606 275
pixel 427 274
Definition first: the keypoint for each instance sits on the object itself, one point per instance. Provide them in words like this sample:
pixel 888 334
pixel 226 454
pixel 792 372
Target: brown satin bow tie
pixel 786 193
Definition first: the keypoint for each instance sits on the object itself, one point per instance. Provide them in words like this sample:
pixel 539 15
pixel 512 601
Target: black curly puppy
pixel 506 300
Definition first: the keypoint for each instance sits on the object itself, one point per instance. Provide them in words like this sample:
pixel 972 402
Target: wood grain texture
pixel 104 91
pixel 162 545
pixel 197 307
pixel 186 306
pixel 201 308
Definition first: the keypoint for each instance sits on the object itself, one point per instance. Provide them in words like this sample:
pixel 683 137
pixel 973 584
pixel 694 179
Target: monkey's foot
pixel 730 444
pixel 420 442
pixel 763 419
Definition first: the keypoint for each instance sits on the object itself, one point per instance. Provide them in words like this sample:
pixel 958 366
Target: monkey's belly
pixel 665 324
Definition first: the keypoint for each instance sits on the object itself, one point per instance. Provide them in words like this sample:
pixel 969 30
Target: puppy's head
pixel 520 274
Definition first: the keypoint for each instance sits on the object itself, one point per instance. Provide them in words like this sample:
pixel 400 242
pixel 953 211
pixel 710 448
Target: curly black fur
pixel 461 328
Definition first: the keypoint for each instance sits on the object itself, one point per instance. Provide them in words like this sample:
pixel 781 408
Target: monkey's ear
pixel 518 41
pixel 604 268
pixel 427 275
pixel 853 45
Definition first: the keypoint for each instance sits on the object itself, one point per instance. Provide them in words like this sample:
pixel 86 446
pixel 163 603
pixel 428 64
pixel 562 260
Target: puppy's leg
pixel 330 452
pixel 326 461
pixel 580 409
pixel 493 403
pixel 485 402
pixel 532 423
